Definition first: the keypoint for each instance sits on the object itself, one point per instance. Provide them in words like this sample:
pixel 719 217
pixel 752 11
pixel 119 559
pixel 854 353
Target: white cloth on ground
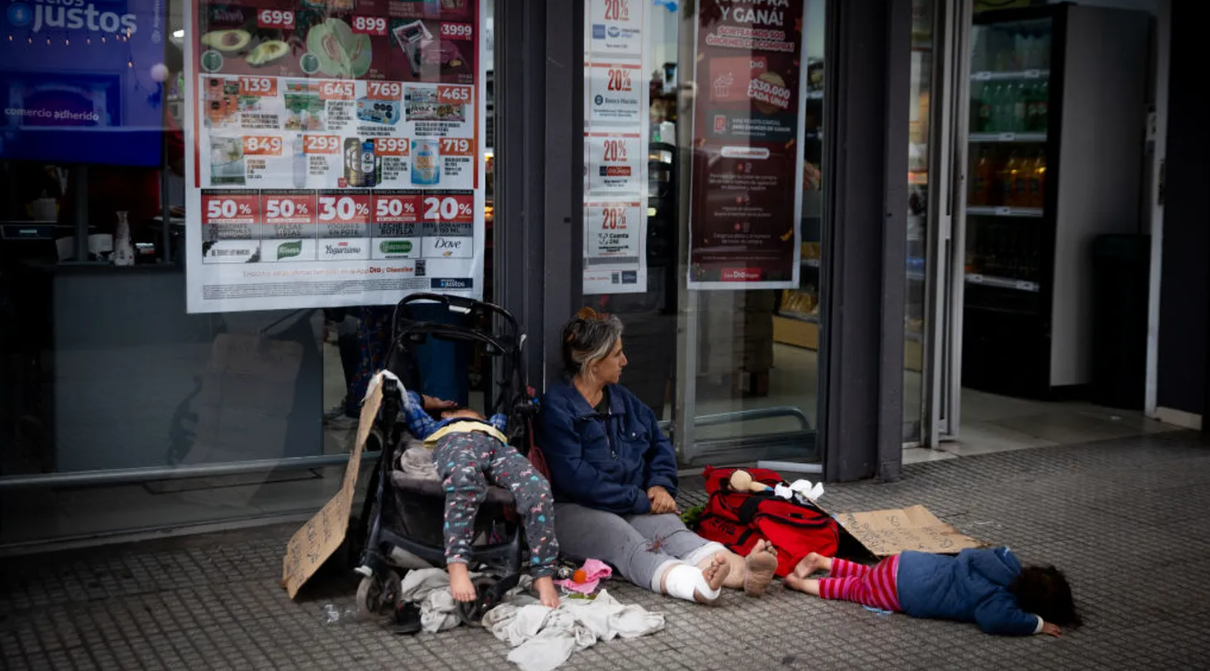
pixel 431 587
pixel 543 638
pixel 800 490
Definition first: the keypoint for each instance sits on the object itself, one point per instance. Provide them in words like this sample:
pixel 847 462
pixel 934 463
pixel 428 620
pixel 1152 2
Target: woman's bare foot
pixel 460 582
pixel 762 564
pixel 715 573
pixel 803 584
pixel 547 592
pixel 811 563
pixel 738 573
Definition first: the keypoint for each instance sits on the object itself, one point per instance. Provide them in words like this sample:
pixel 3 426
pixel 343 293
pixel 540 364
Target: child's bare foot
pixel 762 563
pixel 803 584
pixel 715 573
pixel 460 582
pixel 547 592
pixel 811 563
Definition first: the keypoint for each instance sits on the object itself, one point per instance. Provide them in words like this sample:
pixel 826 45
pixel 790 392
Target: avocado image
pixel 341 53
pixel 227 41
pixel 267 53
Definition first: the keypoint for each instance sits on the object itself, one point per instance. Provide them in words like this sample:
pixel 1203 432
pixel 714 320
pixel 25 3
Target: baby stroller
pixel 403 514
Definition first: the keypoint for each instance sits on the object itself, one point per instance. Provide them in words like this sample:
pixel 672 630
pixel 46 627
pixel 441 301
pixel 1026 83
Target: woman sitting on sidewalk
pixel 614 478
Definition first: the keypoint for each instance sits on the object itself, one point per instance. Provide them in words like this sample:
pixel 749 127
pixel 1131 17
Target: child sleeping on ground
pixel 469 452
pixel 987 587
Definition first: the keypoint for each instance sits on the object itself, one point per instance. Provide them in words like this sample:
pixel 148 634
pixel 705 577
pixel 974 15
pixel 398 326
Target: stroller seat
pixel 431 488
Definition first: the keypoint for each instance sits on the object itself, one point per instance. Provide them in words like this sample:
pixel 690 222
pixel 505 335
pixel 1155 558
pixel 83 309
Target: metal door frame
pixel 944 265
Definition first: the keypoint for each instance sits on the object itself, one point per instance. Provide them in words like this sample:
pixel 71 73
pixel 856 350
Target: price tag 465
pixel 455 95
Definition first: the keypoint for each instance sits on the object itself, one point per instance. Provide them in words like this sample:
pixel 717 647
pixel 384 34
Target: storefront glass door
pixel 720 299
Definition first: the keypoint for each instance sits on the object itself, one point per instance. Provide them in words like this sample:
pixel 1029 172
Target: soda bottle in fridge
pixel 1037 181
pixel 1017 96
pixel 1008 180
pixel 983 180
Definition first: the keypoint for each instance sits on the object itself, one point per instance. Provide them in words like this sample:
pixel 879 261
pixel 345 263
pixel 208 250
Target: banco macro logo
pixel 70 15
pixel 287 249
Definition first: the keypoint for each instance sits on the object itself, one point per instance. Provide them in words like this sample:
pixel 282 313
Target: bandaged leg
pixel 690 583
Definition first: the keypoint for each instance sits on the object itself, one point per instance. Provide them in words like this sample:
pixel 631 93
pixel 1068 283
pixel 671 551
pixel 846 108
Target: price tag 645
pixel 258 86
pixel 336 91
pixel 455 95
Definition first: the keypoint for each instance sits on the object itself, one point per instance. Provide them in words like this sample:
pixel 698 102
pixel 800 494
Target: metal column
pixel 538 226
pixel 866 156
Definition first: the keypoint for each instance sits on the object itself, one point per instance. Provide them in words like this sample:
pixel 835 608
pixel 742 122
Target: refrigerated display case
pixel 1057 112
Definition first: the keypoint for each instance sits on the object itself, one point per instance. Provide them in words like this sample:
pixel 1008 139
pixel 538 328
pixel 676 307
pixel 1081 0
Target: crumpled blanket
pixel 417 461
pixel 543 638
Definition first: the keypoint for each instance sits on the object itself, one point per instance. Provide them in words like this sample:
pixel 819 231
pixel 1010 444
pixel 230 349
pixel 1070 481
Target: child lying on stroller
pixel 470 451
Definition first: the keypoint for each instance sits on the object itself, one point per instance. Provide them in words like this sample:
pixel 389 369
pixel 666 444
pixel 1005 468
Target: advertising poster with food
pixel 747 162
pixel 334 152
pixel 616 128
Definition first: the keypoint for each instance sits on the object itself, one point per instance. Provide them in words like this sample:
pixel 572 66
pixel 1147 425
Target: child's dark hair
pixel 1044 592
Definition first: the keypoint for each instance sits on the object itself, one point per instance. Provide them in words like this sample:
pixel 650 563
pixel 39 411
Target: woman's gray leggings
pixel 640 547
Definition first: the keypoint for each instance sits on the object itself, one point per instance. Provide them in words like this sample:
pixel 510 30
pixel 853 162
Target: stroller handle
pixel 470 305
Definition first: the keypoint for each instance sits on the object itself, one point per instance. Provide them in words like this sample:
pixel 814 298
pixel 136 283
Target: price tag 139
pixel 455 95
pixel 370 25
pixel 336 91
pixel 258 86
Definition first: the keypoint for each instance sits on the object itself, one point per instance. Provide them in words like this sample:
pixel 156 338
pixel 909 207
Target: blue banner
pixel 82 81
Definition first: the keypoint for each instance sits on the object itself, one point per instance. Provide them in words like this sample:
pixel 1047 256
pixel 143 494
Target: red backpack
pixel 739 519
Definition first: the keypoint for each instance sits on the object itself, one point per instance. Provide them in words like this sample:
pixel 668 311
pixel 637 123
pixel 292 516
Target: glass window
pixel 104 373
pixel 750 357
pixel 918 218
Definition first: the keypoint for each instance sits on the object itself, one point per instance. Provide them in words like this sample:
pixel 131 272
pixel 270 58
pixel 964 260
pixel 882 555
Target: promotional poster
pixel 747 159
pixel 335 152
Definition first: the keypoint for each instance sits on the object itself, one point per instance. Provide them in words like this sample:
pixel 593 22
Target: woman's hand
pixel 433 403
pixel 1051 629
pixel 661 501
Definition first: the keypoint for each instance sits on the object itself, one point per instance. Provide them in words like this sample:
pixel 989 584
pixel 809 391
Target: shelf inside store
pixel 994 211
pixel 1001 282
pixel 798 316
pixel 1009 75
pixel 811 263
pixel 1008 137
pixel 815 95
pixel 914 336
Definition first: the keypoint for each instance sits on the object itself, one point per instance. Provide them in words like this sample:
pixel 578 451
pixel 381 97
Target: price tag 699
pixel 275 18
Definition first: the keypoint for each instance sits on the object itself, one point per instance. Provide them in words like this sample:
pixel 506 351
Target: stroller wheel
pixel 471 612
pixel 378 595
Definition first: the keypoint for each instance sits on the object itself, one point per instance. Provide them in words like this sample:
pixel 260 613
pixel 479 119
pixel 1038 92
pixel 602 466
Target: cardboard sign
pixel 311 545
pixel 888 532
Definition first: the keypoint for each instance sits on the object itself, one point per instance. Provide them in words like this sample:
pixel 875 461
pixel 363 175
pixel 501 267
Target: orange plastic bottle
pixel 1008 181
pixel 984 179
